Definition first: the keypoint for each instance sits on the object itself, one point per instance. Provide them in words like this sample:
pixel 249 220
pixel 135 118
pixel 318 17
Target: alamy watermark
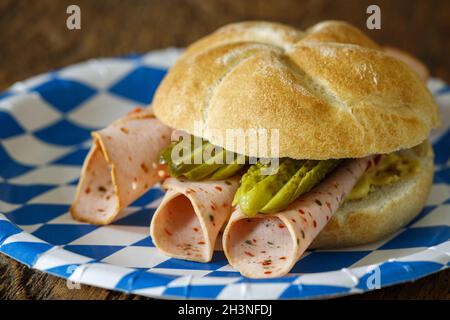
pixel 374 20
pixel 261 144
pixel 73 21
pixel 70 284
pixel 374 279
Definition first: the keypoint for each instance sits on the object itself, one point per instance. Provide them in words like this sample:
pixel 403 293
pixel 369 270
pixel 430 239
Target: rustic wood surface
pixel 34 39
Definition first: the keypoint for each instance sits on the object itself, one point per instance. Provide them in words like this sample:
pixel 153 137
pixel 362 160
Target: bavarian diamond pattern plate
pixel 45 125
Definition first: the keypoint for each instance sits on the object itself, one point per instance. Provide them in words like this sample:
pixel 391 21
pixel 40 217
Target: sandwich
pixel 283 140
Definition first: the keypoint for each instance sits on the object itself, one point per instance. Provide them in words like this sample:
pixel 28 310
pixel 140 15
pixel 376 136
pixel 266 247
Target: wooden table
pixel 34 39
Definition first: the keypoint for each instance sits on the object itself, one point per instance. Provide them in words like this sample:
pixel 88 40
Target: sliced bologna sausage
pixel 120 167
pixel 190 217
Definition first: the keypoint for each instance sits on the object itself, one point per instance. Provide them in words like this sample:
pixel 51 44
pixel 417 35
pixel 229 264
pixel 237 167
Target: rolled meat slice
pixel 122 165
pixel 190 217
pixel 268 245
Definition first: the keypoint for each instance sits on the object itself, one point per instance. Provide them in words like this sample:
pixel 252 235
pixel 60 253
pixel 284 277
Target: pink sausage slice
pixel 190 216
pixel 267 246
pixel 121 166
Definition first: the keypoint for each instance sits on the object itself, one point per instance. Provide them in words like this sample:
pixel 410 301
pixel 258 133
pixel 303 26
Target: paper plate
pixel 45 125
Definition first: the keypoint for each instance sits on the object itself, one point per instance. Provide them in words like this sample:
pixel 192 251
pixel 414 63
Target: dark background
pixel 34 39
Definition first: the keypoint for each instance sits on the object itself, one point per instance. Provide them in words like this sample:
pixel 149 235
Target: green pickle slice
pixel 309 175
pixel 204 170
pixel 164 157
pixel 289 191
pixel 260 194
pixel 227 171
pixel 212 168
pixel 248 180
pixel 186 162
pixel 269 194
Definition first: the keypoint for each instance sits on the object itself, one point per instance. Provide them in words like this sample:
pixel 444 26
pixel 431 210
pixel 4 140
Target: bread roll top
pixel 328 92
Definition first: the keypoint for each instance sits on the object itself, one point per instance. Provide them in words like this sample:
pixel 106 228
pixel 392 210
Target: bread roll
pixel 330 91
pixel 383 211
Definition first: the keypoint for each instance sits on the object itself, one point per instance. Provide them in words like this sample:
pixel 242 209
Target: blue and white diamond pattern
pixel 45 125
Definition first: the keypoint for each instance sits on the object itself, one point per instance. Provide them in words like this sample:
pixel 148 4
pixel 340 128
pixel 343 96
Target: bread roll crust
pixel 383 211
pixel 330 91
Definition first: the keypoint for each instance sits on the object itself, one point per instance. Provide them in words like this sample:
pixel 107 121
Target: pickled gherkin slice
pixel 316 175
pixel 227 171
pixel 268 194
pixel 165 155
pixel 214 167
pixel 204 170
pixel 289 191
pixel 186 162
pixel 263 191
pixel 309 175
pixel 248 180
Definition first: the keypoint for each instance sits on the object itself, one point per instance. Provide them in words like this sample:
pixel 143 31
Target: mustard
pixel 391 169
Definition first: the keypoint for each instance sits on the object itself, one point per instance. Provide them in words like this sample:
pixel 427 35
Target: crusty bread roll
pixel 383 211
pixel 330 91
pixel 416 65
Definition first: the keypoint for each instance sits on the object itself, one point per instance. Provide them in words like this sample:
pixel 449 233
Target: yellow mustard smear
pixel 392 168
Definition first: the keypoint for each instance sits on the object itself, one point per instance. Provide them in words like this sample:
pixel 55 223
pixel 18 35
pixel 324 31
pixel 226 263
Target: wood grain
pixel 34 39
